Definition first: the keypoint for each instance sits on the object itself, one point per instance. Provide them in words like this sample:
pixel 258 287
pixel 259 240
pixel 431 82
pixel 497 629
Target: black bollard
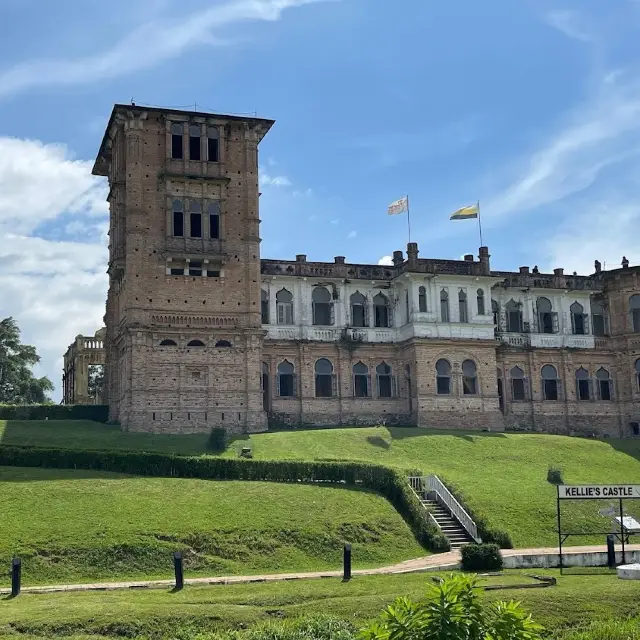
pixel 611 553
pixel 347 562
pixel 177 566
pixel 16 575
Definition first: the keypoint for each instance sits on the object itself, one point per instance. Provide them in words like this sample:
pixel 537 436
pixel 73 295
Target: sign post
pixel 596 492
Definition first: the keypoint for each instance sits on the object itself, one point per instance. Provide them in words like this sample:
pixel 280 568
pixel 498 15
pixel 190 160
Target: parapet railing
pixel 433 484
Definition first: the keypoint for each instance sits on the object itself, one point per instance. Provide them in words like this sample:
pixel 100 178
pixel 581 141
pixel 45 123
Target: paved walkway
pixel 436 561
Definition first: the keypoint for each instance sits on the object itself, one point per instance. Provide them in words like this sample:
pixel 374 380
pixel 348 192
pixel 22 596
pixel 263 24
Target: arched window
pixel 583 384
pixel 634 306
pixel 168 343
pixel 480 301
pixel 322 306
pixel 547 320
pixel 359 315
pixel 604 384
pixel 324 378
pixel 443 378
pixel 495 310
pixel 178 218
pixel 264 306
pixel 385 381
pixel 462 306
pixel 578 319
pixel 444 306
pixel 361 386
pixel 549 382
pixel 469 378
pixel 518 384
pixel 514 317
pixel 213 144
pixel 176 140
pixel 422 299
pixel 195 343
pixel 638 373
pixel 195 219
pixel 284 306
pixel 286 380
pixel 599 320
pixel 213 210
pixel 194 142
pixel 223 343
pixel 381 310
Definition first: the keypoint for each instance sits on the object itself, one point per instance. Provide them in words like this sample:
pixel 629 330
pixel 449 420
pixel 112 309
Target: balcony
pixel 546 340
pixel 203 247
pixel 328 334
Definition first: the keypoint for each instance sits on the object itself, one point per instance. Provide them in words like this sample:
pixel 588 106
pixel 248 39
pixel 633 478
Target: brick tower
pixel 184 339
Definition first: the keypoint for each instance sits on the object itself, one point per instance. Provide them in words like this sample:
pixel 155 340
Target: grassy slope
pixel 504 475
pixel 77 526
pixel 575 600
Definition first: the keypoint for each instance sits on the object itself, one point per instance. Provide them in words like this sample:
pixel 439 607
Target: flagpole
pixel 408 218
pixel 479 224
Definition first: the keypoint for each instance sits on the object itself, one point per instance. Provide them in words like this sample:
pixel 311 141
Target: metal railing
pixel 433 484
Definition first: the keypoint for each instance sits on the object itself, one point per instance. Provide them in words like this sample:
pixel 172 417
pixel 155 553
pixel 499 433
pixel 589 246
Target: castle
pixel 202 332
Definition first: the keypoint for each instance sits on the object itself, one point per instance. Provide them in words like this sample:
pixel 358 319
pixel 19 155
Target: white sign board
pixel 629 523
pixel 587 491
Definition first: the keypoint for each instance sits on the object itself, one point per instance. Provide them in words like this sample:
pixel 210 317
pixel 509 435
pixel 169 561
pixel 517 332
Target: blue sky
pixel 530 106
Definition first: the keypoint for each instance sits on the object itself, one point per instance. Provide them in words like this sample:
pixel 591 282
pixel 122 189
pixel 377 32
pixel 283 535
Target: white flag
pixel 399 206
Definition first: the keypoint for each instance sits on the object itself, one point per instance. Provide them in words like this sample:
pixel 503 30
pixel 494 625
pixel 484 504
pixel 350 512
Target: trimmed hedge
pixel 387 482
pixel 488 534
pixel 95 412
pixel 481 557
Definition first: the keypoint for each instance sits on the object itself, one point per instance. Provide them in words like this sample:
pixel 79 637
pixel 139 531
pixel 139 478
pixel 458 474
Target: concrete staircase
pixel 449 526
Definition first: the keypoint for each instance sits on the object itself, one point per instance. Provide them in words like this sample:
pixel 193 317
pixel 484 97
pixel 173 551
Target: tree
pixel 18 385
pixel 452 610
pixel 95 384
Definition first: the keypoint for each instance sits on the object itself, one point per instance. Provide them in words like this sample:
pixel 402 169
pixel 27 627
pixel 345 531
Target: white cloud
pixel 571 23
pixel 267 180
pixel 334 221
pixel 54 289
pixel 352 234
pixel 163 39
pixel 386 261
pixel 598 135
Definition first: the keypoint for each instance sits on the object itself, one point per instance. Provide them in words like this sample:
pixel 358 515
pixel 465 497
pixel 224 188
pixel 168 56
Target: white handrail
pixel 432 483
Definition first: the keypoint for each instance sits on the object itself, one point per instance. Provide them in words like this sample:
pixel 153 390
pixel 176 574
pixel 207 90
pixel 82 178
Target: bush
pixel 481 557
pixel 387 482
pixel 554 475
pixel 217 440
pixel 488 534
pixel 95 412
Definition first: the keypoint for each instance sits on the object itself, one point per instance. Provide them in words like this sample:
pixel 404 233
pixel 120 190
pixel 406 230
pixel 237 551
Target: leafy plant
pixel 350 342
pixel 452 610
pixel 481 557
pixel 217 440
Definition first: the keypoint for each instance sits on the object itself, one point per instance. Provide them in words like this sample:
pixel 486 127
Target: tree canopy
pixel 18 385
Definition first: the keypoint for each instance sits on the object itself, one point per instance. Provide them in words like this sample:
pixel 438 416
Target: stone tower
pixel 183 327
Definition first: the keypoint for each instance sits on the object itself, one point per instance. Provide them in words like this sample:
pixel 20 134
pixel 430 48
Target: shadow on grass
pixel 628 446
pixel 377 441
pixel 400 433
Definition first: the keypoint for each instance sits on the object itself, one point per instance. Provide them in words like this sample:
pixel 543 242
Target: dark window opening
pixel 322 307
pixel 214 220
pixel 469 378
pixel 324 378
pixel 213 144
pixel 422 300
pixel 550 389
pixel 177 272
pixel 381 308
pixel 168 343
pixel 517 387
pixel 195 343
pixel 635 428
pixel 604 384
pixel 178 224
pixel 176 141
pixel 223 343
pixel 583 390
pixel 264 306
pixel 213 274
pixel 360 380
pixel 195 268
pixel 196 225
pixel 358 310
pixel 194 142
pixel 286 380
pixel 443 377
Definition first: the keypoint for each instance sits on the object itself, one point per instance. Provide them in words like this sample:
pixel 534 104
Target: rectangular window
pixel 357 315
pixel 583 390
pixel 212 149
pixel 550 389
pixel 598 325
pixel 286 385
pixel 176 146
pixel 517 389
pixel 178 224
pixel 384 387
pixel 605 390
pixel 214 226
pixel 213 274
pixel 194 147
pixel 264 311
pixel 443 385
pixel 324 386
pixel 196 225
pixel 177 272
pixel 469 386
pixel 195 268
pixel 360 386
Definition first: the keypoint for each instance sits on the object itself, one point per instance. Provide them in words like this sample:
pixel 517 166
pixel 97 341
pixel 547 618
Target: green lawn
pixel 82 526
pixel 501 475
pixel 161 614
